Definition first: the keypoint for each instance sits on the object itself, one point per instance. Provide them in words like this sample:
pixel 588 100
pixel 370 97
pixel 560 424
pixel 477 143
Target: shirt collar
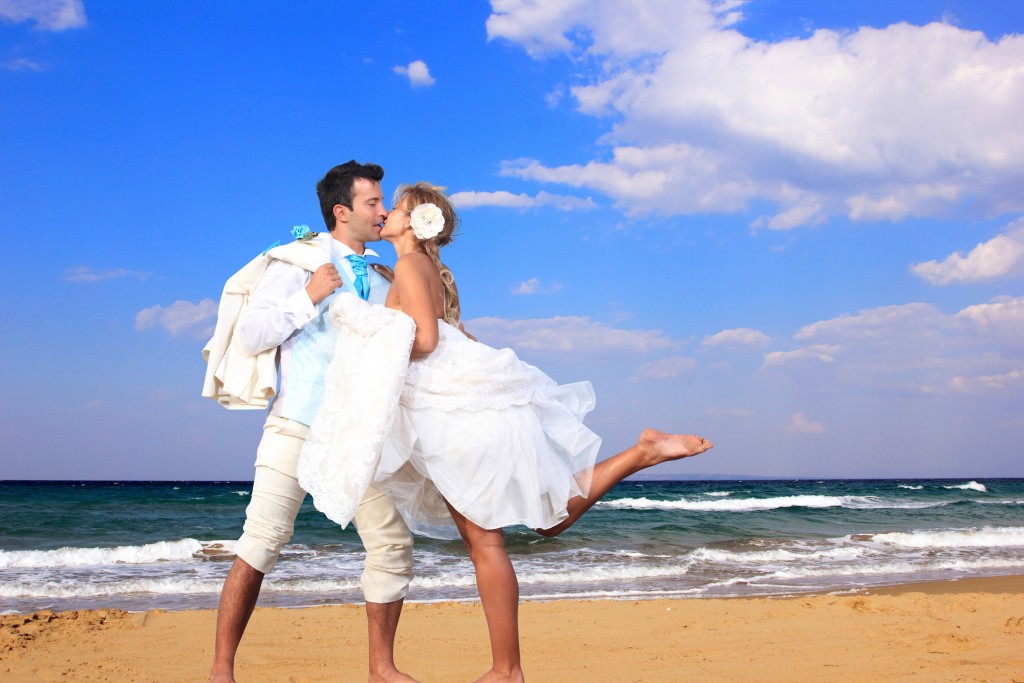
pixel 342 250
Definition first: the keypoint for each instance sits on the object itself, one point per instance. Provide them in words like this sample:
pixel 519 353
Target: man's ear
pixel 341 214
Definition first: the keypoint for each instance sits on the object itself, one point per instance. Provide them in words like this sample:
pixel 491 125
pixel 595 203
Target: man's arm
pixel 284 301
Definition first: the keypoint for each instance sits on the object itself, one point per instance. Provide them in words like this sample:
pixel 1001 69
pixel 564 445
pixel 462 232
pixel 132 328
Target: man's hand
pixel 323 283
pixel 384 271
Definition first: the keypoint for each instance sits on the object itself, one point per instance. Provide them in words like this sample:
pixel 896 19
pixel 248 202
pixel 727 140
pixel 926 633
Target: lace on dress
pixel 362 385
pixel 470 425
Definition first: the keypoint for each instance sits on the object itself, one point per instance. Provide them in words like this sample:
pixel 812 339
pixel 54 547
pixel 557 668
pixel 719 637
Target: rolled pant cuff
pixel 256 554
pixel 382 589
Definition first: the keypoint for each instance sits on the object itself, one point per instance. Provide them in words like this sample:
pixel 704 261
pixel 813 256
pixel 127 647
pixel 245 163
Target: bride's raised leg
pixel 652 448
pixel 499 594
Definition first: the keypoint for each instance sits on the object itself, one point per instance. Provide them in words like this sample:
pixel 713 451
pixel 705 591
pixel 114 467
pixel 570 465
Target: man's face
pixel 367 212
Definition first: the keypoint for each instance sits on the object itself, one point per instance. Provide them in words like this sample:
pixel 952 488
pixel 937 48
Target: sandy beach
pixel 968 630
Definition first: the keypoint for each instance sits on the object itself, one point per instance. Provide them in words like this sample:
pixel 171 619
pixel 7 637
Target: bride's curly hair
pixel 411 196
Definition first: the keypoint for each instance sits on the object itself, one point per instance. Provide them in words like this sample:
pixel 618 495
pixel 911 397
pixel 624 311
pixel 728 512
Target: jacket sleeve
pixel 277 308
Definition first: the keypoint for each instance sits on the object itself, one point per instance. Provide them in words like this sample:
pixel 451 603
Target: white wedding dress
pixel 494 436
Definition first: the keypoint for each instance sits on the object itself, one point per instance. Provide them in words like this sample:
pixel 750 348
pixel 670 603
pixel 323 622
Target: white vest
pixel 311 352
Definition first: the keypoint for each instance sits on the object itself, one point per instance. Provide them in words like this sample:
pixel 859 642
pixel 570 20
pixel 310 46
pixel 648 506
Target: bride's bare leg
pixel 652 448
pixel 499 594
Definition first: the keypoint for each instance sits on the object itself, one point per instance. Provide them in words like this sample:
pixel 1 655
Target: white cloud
pixel 611 27
pixel 417 73
pixel 728 412
pixel 909 344
pixel 871 123
pixel 527 286
pixel 913 348
pixel 915 200
pixel 555 96
pixel 825 353
pixel 643 179
pixel 569 334
pixel 1002 319
pixel 88 274
pixel 740 337
pixel 877 323
pixel 666 368
pixel 470 200
pixel 795 216
pixel 1000 257
pixel 1002 309
pixel 535 286
pixel 538 26
pixel 48 15
pixel 22 64
pixel 801 425
pixel 180 318
pixel 984 383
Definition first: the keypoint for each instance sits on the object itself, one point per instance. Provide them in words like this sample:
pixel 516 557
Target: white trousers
pixel 277 496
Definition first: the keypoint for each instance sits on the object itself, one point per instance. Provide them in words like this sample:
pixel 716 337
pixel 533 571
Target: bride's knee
pixel 483 550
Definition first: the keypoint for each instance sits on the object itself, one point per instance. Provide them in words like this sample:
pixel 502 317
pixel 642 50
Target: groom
pixel 286 317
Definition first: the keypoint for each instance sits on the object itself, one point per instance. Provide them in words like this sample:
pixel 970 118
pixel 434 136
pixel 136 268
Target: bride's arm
pixel 412 280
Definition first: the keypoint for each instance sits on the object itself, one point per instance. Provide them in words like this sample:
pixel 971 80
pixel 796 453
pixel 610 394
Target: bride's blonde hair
pixel 411 196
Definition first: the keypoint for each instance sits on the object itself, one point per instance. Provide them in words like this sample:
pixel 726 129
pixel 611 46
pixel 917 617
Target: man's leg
pixel 386 575
pixel 237 600
pixel 269 523
pixel 382 626
pixel 652 448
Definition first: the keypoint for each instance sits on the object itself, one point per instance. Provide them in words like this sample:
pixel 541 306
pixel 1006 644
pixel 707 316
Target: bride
pixel 465 438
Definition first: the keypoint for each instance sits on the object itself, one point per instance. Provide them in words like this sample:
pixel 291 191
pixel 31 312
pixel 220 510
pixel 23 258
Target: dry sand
pixel 970 630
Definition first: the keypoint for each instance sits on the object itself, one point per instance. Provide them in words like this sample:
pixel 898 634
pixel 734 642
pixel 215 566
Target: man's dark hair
pixel 336 186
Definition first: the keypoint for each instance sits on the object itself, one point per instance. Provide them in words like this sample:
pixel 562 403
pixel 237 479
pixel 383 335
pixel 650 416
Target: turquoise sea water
pixel 146 545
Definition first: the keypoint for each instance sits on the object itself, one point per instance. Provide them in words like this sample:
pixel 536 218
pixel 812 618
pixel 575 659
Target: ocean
pixel 167 545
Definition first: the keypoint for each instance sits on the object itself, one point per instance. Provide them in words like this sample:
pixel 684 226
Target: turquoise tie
pixel 362 282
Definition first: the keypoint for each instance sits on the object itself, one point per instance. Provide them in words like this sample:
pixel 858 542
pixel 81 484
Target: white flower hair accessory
pixel 427 221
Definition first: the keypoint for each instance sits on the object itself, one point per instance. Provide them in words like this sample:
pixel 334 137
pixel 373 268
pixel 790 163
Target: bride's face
pixel 396 222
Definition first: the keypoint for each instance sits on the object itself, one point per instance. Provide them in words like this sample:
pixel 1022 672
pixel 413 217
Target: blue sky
pixel 794 227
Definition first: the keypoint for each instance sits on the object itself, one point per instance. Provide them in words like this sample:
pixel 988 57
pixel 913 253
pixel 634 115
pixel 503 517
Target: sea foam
pixel 969 486
pixel 742 504
pixel 778 555
pixel 987 537
pixel 84 557
pixel 893 568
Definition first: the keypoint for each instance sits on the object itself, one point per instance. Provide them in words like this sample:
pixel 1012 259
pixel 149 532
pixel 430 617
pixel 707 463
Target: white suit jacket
pixel 235 378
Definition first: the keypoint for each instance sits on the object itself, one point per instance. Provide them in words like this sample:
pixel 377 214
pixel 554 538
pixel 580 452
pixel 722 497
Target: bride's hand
pixel 384 271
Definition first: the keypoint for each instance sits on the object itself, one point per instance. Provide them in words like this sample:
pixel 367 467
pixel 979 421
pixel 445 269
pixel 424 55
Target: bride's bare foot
pixel 658 447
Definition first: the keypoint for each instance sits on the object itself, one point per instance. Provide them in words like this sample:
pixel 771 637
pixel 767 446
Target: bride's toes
pixel 661 447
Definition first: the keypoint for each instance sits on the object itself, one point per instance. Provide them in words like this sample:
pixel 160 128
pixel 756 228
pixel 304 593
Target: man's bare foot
pixel 392 676
pixel 658 447
pixel 492 676
pixel 221 676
